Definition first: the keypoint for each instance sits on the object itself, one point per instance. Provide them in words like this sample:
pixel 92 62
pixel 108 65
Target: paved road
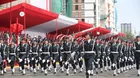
pixel 129 74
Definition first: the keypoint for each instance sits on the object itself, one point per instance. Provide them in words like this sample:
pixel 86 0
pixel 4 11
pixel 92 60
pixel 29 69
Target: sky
pixel 129 11
pixel 39 3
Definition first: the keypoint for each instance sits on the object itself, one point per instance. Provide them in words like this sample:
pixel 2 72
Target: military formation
pixel 91 55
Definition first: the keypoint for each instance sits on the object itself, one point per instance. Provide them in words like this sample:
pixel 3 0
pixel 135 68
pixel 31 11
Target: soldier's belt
pixel 137 50
pixel 22 52
pixel 12 53
pixel 89 52
pixel 45 52
pixel 54 52
pixel 34 53
pixel 66 52
pixel 30 53
pixel 114 52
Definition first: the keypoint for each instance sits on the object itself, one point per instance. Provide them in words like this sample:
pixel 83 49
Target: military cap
pixel 88 33
pixel 138 36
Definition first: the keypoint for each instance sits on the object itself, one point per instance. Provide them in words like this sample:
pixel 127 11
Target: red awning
pixel 73 29
pixel 41 21
pixel 95 31
pixel 5 1
pixel 34 15
pixel 120 34
pixel 4 29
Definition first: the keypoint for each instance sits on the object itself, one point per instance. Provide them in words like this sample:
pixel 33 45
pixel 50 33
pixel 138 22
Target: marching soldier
pixel 107 61
pixel 45 56
pixel 61 55
pixel 55 54
pixel 34 55
pixel 74 55
pixel 126 55
pixel 90 50
pixel 123 62
pixel 102 57
pixel 119 55
pixel 137 54
pixel 23 50
pixel 130 56
pixel 5 53
pixel 66 54
pixel 97 56
pixel 12 56
pixel 2 59
pixel 28 61
pixel 80 55
pixel 114 55
pixel 39 57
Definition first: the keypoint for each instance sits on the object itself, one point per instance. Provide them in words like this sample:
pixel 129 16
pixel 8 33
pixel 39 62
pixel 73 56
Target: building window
pixel 76 7
pixel 83 1
pixel 94 6
pixel 76 1
pixel 76 15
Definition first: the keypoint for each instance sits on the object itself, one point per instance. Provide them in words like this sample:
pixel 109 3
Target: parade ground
pixel 129 74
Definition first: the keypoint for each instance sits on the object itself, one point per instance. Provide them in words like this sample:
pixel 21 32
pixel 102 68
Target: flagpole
pixel 56 27
pixel 10 22
pixel 17 27
pixel 25 21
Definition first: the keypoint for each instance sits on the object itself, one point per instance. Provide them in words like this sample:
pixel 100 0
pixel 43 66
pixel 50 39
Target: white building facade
pixel 107 11
pixel 92 12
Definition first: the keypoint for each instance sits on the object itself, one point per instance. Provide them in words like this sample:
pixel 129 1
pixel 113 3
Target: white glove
pixel 32 58
pixel 108 58
pixel 20 60
pixel 48 61
pixel 74 61
pixel 72 54
pixel 39 58
pixel 43 61
pixel 28 60
pixel 120 60
pixel 60 58
pixel 51 58
pixel 125 58
pixel 4 60
pixel 66 63
pixel 40 49
pixel 130 58
pixel 134 48
pixel 80 58
pixel 53 61
pixel 61 48
pixel 98 60
pixel 9 60
pixel 36 61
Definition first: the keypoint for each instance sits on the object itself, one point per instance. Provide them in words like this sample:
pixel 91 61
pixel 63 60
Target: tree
pixel 129 36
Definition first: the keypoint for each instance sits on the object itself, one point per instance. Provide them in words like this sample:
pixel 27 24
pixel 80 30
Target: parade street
pixel 129 74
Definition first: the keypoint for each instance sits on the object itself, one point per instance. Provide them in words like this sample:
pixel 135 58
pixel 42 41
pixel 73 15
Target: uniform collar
pixel 138 42
pixel 89 40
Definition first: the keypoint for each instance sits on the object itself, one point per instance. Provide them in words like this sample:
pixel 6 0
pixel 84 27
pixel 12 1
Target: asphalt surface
pixel 129 74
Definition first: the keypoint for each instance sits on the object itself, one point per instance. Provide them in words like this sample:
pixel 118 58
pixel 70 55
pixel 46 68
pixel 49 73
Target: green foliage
pixel 129 36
